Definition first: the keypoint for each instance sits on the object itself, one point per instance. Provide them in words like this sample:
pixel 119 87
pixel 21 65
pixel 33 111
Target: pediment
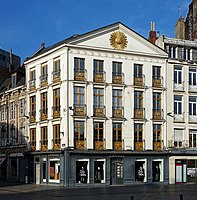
pixel 125 39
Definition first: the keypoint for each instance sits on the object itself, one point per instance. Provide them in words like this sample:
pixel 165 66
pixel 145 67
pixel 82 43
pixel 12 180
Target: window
pixel 138 100
pixel 22 107
pixel 33 138
pixel 177 104
pixel 32 80
pixel 3 112
pixel 98 66
pixel 138 70
pixel 98 97
pixel 98 136
pixel 178 137
pixel 192 105
pixel 82 172
pixel 79 64
pixel 44 138
pixel 56 102
pixel 172 52
pixel 44 108
pixel 117 136
pixel 79 94
pixel 54 170
pixel 156 70
pixel 14 80
pixel 117 99
pixel 156 101
pixel 186 54
pixel 44 74
pixel 192 76
pixel 157 132
pixel 117 68
pixel 12 110
pixel 178 75
pixel 193 138
pixel 56 69
pixel 138 132
pixel 32 108
pixel 79 135
pixel 56 137
pixel 22 135
pixel 13 135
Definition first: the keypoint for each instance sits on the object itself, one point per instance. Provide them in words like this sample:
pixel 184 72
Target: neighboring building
pixel 191 22
pixel 181 79
pixel 13 142
pixel 97 110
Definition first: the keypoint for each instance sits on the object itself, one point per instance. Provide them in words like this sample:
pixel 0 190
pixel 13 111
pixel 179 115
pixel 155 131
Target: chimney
pixel 152 34
pixel 43 45
pixel 180 28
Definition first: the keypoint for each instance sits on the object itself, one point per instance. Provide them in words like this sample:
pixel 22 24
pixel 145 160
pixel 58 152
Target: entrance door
pixel 180 170
pixel 116 171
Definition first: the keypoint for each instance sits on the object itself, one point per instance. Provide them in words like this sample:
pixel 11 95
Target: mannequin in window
pixel 141 174
pixel 82 174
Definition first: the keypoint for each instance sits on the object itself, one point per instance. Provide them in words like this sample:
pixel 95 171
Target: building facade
pixel 181 108
pixel 97 110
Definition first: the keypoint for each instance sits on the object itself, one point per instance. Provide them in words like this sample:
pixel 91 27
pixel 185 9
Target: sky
pixel 25 24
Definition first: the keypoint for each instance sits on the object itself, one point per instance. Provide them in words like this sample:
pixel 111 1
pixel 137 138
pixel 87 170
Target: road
pixel 138 192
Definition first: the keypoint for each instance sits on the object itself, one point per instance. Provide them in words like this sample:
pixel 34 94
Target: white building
pixel 181 108
pixel 97 109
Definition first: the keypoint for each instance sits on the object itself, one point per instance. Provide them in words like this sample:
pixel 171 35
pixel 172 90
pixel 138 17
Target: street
pixel 135 192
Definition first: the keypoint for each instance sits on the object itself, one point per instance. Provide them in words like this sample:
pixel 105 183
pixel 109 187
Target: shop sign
pixel 191 171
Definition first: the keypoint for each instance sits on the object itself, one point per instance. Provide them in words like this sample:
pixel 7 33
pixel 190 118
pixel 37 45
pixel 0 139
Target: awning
pixel 1 160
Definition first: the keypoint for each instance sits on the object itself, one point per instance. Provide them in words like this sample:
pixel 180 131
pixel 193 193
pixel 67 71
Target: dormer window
pixel 14 77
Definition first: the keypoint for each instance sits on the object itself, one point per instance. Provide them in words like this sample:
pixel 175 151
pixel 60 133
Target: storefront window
pixel 54 170
pixel 140 171
pixel 82 172
pixel 99 172
pixel 157 174
pixel 192 171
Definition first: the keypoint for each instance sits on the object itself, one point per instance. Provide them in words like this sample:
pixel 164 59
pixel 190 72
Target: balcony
pixel 179 86
pixel 179 117
pixel 178 143
pixel 192 88
pixel 157 114
pixel 117 78
pixel 56 144
pixel 56 76
pixel 44 114
pixel 118 145
pixel 32 84
pixel 80 144
pixel 32 145
pixel 99 144
pixel 139 113
pixel 139 145
pixel 139 80
pixel 117 112
pixel 56 111
pixel 80 75
pixel 79 110
pixel 44 80
pixel 192 118
pixel 157 81
pixel 32 116
pixel 157 145
pixel 99 77
pixel 99 111
pixel 44 145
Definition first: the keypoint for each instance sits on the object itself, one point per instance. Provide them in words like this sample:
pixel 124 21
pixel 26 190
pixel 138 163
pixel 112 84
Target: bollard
pixel 132 197
pixel 181 197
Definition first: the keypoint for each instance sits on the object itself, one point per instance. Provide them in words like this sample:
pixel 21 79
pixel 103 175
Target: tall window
pixel 138 132
pixel 192 76
pixel 56 102
pixel 79 64
pixel 178 75
pixel 79 94
pixel 117 131
pixel 56 69
pixel 22 107
pixel 12 110
pixel 44 73
pixel 117 99
pixel 138 70
pixel 172 52
pixel 138 100
pixel 79 135
pixel 157 132
pixel 156 72
pixel 33 138
pixel 32 108
pixel 177 104
pixel 3 112
pixel 56 136
pixel 98 135
pixel 32 80
pixel 193 138
pixel 156 101
pixel 117 68
pixel 44 138
pixel 13 135
pixel 44 107
pixel 98 97
pixel 192 105
pixel 98 66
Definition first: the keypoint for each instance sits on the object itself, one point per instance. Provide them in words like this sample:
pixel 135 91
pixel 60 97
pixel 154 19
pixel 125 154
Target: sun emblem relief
pixel 118 40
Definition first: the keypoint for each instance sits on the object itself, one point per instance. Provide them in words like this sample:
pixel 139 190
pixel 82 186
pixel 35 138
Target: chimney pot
pixel 43 45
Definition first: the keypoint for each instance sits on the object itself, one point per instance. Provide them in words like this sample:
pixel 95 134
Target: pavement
pixel 133 192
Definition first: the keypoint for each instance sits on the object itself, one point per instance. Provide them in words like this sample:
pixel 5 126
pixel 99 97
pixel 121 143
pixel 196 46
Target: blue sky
pixel 25 24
